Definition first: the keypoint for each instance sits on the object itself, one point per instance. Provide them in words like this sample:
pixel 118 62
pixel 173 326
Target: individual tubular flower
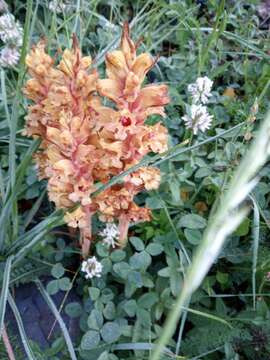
pixel 201 90
pixel 92 268
pixel 146 177
pixel 197 118
pixel 85 142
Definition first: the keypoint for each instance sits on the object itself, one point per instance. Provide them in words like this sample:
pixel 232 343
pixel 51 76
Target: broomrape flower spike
pixel 197 118
pixel 92 268
pixel 85 142
pixel 201 90
pixel 110 235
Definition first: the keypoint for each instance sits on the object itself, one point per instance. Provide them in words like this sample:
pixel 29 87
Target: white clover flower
pixel 92 267
pixel 57 6
pixel 3 6
pixel 201 90
pixel 10 30
pixel 9 56
pixel 197 118
pixel 110 234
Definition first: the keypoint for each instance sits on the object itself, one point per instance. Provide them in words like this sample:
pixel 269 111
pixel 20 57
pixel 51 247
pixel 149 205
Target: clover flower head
pixel 57 6
pixel 197 118
pixel 3 6
pixel 263 9
pixel 200 90
pixel 11 31
pixel 92 268
pixel 110 235
pixel 9 56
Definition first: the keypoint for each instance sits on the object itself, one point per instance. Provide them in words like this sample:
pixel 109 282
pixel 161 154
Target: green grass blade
pixel 58 317
pixel 5 216
pixel 256 239
pixel 226 219
pixel 139 346
pixel 246 43
pixel 221 16
pixel 4 96
pixel 4 292
pixel 180 333
pixel 208 316
pixel 15 107
pixel 20 172
pixel 174 230
pixel 77 23
pixel 32 237
pixel 28 246
pixel 15 114
pixel 34 209
pixel 199 357
pixel 11 194
pixel 26 345
pixel 2 187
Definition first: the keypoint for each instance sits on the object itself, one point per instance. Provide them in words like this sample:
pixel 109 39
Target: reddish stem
pixel 7 344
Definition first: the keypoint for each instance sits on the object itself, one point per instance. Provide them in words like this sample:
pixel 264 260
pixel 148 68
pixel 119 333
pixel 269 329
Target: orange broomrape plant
pixel 85 142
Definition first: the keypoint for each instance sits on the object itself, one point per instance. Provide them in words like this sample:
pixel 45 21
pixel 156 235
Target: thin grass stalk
pixel 4 292
pixel 63 302
pixel 256 239
pixel 11 193
pixel 15 113
pixel 200 356
pixel 77 23
pixel 4 96
pixel 226 219
pixel 208 316
pixel 245 43
pixel 5 218
pixel 31 31
pixel 183 249
pixel 25 342
pixel 216 32
pixel 28 246
pixel 53 220
pixel 135 346
pixel 34 209
pixel 181 331
pixel 2 187
pixel 58 317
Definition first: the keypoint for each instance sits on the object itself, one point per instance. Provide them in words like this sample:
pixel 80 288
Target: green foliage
pixel 122 313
